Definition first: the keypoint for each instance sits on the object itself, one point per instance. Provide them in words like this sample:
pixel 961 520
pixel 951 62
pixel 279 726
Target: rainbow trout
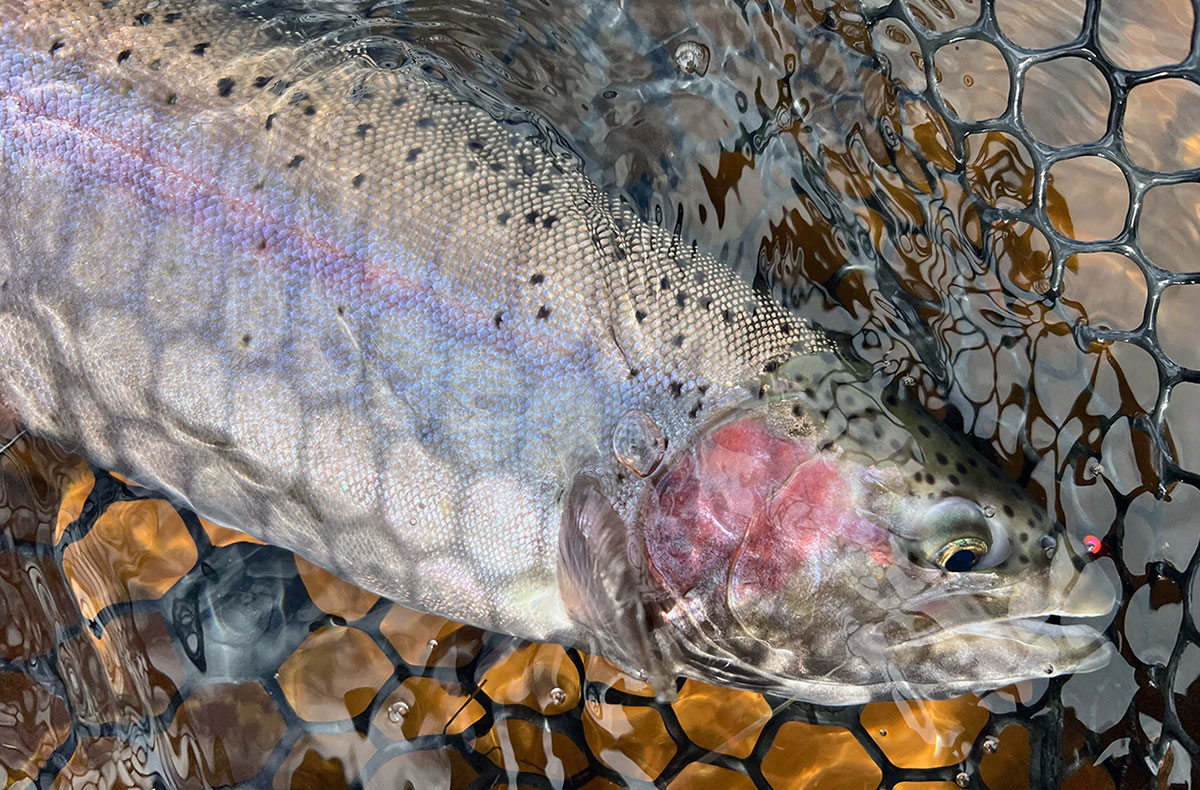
pixel 313 290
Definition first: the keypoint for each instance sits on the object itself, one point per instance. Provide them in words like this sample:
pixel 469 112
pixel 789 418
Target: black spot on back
pixel 296 161
pixel 123 55
pixel 201 48
pixel 357 180
pixel 225 86
pixel 543 313
pixel 362 129
pixel 143 19
pixel 413 153
pixel 536 278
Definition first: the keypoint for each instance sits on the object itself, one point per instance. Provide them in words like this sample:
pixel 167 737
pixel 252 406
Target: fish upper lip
pixel 1034 625
pixel 929 604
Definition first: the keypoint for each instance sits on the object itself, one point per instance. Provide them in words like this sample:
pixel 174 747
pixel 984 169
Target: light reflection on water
pixel 155 644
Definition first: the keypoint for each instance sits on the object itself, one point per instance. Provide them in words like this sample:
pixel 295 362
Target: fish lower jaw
pixel 1013 648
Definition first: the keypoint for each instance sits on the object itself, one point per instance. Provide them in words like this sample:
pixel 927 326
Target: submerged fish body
pixel 331 302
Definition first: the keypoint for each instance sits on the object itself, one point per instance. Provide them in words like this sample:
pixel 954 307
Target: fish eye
pixel 960 536
pixel 959 556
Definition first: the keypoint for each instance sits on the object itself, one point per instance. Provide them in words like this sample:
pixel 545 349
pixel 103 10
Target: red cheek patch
pixel 809 526
pixel 701 508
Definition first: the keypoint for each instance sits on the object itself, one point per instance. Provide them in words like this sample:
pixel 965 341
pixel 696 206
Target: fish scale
pixel 334 303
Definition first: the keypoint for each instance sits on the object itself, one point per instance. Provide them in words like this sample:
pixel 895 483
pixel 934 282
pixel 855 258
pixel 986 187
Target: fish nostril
pixel 1049 545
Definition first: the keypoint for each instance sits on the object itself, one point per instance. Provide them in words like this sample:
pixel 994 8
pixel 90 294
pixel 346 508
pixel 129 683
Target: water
pixel 995 200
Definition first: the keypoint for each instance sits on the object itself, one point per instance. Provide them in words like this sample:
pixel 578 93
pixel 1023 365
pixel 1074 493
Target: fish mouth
pixel 1031 625
pixel 1002 650
pixel 1031 629
pixel 1053 628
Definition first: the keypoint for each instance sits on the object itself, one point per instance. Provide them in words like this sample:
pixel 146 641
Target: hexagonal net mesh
pixel 148 648
pixel 993 199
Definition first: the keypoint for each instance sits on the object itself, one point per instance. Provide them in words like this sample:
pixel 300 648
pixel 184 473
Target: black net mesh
pixel 994 199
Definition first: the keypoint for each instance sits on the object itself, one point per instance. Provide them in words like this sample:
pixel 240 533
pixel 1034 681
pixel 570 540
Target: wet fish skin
pixel 310 296
pixel 348 311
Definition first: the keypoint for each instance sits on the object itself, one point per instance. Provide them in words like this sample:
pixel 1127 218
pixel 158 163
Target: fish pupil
pixel 961 560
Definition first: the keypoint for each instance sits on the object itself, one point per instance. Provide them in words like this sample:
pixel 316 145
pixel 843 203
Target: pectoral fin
pixel 601 587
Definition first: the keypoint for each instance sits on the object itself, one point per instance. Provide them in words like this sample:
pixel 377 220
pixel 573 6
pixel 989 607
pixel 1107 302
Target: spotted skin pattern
pixel 217 280
pixel 338 304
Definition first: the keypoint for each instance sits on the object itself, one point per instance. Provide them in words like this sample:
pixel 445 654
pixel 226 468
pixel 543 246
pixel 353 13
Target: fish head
pixel 836 542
